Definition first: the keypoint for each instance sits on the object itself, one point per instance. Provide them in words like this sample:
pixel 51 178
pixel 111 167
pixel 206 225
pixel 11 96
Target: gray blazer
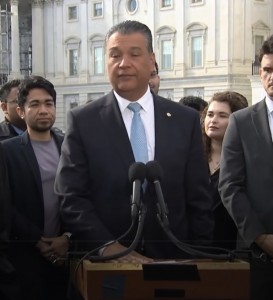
pixel 246 172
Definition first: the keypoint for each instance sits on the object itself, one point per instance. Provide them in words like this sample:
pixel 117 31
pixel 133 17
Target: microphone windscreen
pixel 137 171
pixel 153 171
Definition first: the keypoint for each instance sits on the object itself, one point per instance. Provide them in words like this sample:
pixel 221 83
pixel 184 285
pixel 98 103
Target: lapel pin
pixel 169 114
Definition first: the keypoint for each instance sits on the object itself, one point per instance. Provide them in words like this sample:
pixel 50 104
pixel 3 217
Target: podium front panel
pixel 200 279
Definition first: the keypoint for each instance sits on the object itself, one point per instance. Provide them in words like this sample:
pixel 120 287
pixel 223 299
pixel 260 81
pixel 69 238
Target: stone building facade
pixel 201 46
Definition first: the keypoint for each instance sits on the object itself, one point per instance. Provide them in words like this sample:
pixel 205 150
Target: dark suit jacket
pixel 6 131
pixel 246 172
pixel 8 285
pixel 34 272
pixel 26 187
pixel 93 176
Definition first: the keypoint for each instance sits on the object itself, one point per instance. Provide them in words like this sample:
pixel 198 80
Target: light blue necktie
pixel 138 136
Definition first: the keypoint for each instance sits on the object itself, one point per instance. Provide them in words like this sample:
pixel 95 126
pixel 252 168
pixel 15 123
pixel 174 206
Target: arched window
pixel 97 54
pixel 165 43
pixel 73 52
pixel 196 33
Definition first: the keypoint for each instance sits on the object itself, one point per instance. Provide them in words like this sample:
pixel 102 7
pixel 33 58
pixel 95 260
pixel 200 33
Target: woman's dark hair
pixel 235 101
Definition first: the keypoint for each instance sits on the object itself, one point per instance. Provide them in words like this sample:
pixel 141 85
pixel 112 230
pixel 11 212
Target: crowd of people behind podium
pixel 70 192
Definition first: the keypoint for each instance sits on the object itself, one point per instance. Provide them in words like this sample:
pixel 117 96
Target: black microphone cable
pixel 154 174
pixel 132 247
pixel 137 174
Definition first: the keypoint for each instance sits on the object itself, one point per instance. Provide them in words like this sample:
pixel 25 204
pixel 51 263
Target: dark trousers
pixel 39 279
pixel 261 279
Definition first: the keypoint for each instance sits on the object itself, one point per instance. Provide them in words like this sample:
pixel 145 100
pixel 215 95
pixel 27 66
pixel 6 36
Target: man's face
pixel 9 109
pixel 266 74
pixel 154 81
pixel 129 64
pixel 39 111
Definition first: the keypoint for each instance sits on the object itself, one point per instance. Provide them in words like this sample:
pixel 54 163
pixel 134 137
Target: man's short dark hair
pixel 195 102
pixel 129 27
pixel 7 87
pixel 31 83
pixel 267 47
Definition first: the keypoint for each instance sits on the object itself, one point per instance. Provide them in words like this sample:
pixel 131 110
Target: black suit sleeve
pixel 73 186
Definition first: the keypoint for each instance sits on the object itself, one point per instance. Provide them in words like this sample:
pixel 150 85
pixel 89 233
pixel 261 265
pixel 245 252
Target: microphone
pixel 137 174
pixel 154 174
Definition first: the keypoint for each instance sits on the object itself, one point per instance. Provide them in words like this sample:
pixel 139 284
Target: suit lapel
pixel 260 122
pixel 113 122
pixel 162 117
pixel 31 160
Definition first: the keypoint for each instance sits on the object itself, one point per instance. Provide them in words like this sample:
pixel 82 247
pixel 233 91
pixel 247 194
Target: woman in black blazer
pixel 214 122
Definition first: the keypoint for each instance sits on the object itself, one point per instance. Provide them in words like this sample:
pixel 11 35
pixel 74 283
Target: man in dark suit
pixel 92 176
pixel 13 125
pixel 9 288
pixel 246 176
pixel 32 158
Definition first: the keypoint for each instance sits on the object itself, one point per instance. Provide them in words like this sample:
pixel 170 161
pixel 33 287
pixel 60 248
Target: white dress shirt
pixel 269 105
pixel 147 117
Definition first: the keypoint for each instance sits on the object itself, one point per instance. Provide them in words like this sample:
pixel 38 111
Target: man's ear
pixel 20 112
pixel 4 107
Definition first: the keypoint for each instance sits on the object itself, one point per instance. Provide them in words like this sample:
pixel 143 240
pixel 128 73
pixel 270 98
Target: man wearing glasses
pixel 13 125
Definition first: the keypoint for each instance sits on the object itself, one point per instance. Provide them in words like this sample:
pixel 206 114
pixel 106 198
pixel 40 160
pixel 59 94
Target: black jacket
pixel 6 130
pixel 8 285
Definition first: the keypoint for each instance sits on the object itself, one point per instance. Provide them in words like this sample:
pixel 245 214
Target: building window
pixel 71 101
pixel 72 13
pixel 196 1
pixel 165 37
pixel 260 32
pixel 196 54
pixel 97 51
pixel 166 3
pixel 132 6
pixel 72 47
pixel 166 50
pixel 73 62
pixel 196 34
pixel 98 60
pixel 259 39
pixel 197 92
pixel 97 9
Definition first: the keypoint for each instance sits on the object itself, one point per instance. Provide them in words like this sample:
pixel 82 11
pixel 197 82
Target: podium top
pixel 201 265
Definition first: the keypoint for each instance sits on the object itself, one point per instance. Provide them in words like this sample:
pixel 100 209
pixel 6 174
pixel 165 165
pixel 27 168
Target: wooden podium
pixel 198 279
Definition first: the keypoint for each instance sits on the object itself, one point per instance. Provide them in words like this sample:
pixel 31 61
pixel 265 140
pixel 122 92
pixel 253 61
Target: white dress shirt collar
pixel 144 101
pixel 269 105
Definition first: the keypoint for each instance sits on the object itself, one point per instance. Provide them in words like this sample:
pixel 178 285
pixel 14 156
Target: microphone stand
pixel 189 249
pixel 135 242
pixel 141 218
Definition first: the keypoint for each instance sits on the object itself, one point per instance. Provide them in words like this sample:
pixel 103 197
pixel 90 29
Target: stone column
pixel 59 43
pixel 15 41
pixel 49 24
pixel 38 51
pixel 84 57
